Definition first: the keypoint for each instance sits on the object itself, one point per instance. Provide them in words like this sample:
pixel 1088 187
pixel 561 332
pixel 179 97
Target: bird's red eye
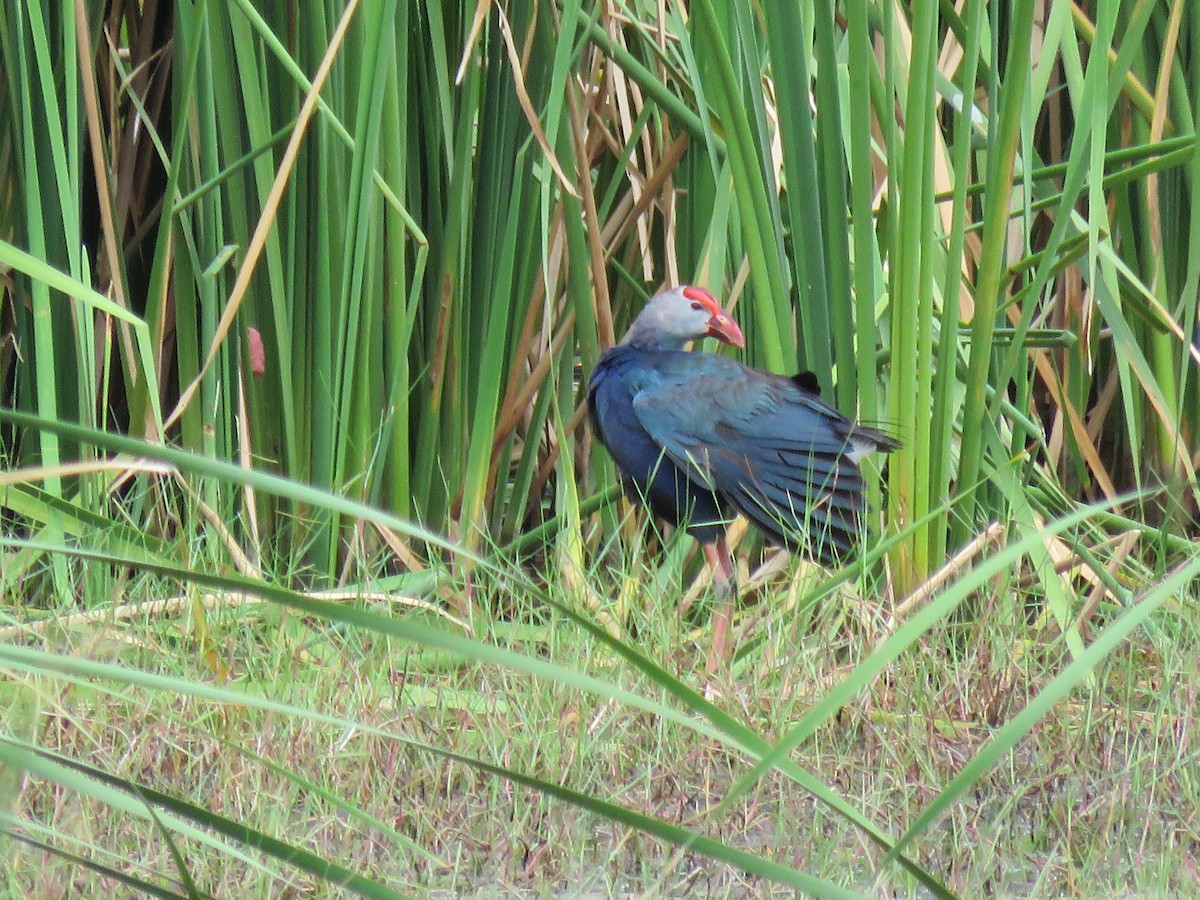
pixel 697 306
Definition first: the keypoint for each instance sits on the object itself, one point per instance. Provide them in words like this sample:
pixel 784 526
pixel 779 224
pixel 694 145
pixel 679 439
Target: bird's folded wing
pixel 781 462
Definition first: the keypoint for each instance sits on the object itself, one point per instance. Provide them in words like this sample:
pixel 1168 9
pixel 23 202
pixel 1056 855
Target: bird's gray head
pixel 679 315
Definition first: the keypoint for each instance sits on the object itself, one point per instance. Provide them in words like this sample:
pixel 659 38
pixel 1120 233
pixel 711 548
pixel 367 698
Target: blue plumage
pixel 647 471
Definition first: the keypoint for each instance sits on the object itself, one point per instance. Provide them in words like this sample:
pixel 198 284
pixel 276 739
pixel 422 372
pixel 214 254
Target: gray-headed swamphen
pixel 696 435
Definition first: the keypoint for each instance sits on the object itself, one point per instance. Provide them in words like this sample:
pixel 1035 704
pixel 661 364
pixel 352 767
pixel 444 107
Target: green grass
pixel 571 707
pixel 1100 798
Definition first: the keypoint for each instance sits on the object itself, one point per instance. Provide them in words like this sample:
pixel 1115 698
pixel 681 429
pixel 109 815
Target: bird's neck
pixel 639 340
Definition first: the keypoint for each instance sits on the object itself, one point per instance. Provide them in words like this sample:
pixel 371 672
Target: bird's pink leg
pixel 721 561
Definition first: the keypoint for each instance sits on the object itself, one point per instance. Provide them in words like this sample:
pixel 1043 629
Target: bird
pixel 697 436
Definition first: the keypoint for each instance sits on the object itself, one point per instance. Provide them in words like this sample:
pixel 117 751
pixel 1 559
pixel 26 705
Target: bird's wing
pixel 783 458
